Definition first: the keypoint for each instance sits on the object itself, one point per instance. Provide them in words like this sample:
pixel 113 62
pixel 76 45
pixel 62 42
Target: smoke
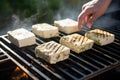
pixel 25 23
pixel 72 11
pixel 69 9
pixel 17 22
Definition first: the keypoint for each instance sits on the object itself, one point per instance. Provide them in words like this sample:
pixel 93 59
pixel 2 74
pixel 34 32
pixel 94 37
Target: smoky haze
pixel 70 9
pixel 67 9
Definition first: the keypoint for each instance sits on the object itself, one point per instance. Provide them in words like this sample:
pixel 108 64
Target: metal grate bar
pixel 23 68
pixel 62 69
pixel 3 57
pixel 82 68
pixel 110 52
pixel 40 63
pixel 92 60
pixel 66 65
pixel 26 57
pixel 105 56
pixel 25 62
pixel 71 70
pixel 100 59
pixel 84 62
pixel 76 67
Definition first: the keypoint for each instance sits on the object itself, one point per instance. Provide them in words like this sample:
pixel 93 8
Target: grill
pixel 3 57
pixel 6 66
pixel 86 65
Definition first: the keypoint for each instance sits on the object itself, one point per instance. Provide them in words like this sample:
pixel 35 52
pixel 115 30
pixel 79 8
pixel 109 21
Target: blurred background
pixel 24 13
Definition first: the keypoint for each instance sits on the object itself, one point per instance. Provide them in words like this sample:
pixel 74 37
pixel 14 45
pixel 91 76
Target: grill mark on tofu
pixel 101 33
pixel 98 33
pixel 71 39
pixel 77 38
pixel 50 45
pixel 54 47
pixel 60 48
pixel 104 33
pixel 85 39
pixel 46 45
pixel 108 34
pixel 81 40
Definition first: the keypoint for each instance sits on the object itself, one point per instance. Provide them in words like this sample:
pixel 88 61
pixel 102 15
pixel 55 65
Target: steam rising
pixel 70 9
pixel 26 23
pixel 16 23
pixel 106 21
pixel 66 10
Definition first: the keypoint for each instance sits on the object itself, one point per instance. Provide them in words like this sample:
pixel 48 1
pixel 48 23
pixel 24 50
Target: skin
pixel 91 11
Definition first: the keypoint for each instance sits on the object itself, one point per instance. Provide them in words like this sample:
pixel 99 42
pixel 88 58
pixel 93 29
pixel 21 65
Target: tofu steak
pixel 100 37
pixel 52 52
pixel 77 42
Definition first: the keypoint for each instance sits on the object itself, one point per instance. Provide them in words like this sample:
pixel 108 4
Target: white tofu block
pixel 52 52
pixel 67 25
pixel 77 42
pixel 45 30
pixel 21 37
pixel 100 37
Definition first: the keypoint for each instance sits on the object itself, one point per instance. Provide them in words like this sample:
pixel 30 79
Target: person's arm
pixel 91 11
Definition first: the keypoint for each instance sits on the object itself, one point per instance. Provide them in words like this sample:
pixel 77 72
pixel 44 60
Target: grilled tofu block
pixel 45 30
pixel 52 52
pixel 67 25
pixel 21 37
pixel 100 37
pixel 77 42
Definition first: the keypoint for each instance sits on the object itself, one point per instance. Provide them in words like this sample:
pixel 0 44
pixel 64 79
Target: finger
pixel 82 19
pixel 79 25
pixel 80 22
pixel 86 18
pixel 91 21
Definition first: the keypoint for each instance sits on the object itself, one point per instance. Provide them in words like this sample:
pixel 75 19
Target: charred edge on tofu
pixel 80 39
pixel 101 33
pixel 54 47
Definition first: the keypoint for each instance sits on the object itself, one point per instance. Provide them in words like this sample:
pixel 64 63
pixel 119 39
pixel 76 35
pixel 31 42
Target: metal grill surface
pixel 78 66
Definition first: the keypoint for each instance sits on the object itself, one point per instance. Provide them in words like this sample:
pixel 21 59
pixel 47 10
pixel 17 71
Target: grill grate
pixel 79 66
pixel 3 57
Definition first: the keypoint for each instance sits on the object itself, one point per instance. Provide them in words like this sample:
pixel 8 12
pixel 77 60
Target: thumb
pixel 91 20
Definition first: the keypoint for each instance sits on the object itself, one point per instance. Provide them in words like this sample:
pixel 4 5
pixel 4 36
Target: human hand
pixel 91 11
